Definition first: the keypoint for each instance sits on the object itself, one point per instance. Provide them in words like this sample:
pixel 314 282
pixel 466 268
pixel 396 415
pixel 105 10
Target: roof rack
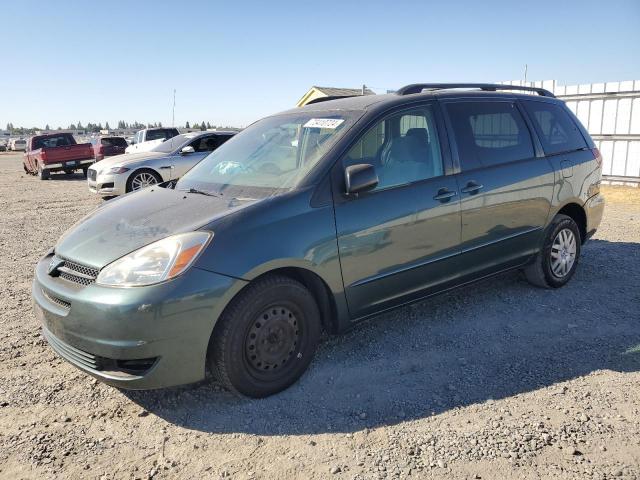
pixel 329 98
pixel 488 87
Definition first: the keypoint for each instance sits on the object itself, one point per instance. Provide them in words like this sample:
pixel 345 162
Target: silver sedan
pixel 170 160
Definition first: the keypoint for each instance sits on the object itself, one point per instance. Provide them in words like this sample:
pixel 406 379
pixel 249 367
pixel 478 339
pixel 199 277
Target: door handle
pixel 472 188
pixel 444 195
pixel 166 167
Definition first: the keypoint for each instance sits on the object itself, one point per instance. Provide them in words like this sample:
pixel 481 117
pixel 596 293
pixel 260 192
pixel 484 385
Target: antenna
pixel 173 113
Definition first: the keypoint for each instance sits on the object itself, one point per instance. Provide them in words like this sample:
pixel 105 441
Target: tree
pixel 203 127
pixel 106 126
pixel 46 127
pixel 186 125
pixel 160 124
pixel 72 127
pixel 208 125
pixel 80 127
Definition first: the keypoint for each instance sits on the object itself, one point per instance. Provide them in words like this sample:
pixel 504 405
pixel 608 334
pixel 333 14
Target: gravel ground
pixel 498 380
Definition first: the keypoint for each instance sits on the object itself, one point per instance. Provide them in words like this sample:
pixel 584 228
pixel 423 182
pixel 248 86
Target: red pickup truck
pixel 56 152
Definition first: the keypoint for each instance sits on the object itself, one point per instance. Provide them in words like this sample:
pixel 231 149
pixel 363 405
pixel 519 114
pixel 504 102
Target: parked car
pixel 168 161
pixel 56 152
pixel 3 145
pixel 108 147
pixel 17 144
pixel 314 219
pixel 149 138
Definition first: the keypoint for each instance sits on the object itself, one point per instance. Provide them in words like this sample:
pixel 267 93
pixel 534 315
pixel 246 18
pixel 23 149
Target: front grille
pixel 74 272
pixel 92 174
pixel 72 354
pixel 56 300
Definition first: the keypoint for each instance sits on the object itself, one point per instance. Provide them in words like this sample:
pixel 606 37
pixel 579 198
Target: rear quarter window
pixel 557 131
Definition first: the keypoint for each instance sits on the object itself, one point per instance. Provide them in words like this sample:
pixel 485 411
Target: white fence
pixel 611 113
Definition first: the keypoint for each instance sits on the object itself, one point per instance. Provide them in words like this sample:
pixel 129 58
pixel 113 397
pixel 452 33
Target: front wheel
pixel 556 263
pixel 142 179
pixel 266 337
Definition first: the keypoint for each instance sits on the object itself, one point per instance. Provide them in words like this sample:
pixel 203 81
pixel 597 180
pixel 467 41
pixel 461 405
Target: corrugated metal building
pixel 611 113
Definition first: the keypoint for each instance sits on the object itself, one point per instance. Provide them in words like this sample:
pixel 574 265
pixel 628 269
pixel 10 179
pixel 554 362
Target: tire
pixel 556 263
pixel 145 176
pixel 43 173
pixel 84 171
pixel 258 363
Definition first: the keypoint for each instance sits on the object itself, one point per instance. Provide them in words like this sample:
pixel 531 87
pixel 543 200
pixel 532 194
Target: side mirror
pixel 187 149
pixel 360 178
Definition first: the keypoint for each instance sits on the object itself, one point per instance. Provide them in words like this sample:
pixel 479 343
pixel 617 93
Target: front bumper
pixel 109 185
pixel 135 338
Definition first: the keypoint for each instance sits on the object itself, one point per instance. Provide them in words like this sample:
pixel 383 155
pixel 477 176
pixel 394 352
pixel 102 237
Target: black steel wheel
pixel 266 337
pixel 272 340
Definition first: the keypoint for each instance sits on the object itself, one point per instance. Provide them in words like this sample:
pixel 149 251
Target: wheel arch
pixel 318 288
pixel 577 213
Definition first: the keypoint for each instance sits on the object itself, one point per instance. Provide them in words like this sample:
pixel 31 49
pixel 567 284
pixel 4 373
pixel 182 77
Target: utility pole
pixel 525 73
pixel 173 113
pixel 364 87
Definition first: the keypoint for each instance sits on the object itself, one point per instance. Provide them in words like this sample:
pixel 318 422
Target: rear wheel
pixel 43 173
pixel 266 338
pixel 142 179
pixel 84 171
pixel 556 263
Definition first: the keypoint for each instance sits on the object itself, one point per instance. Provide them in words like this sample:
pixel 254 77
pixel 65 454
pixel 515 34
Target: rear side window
pixel 557 131
pixel 489 133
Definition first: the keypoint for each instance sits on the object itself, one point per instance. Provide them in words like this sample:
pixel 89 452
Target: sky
pixel 234 62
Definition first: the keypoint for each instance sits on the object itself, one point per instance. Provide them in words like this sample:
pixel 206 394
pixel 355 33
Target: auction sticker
pixel 331 123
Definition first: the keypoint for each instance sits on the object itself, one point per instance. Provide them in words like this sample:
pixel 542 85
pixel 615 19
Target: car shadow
pixel 77 176
pixel 490 340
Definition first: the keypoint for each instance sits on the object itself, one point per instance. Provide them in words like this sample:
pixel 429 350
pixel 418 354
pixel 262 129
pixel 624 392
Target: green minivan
pixel 312 220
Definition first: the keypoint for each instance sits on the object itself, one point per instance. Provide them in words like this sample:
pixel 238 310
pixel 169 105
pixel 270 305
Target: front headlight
pixel 156 262
pixel 117 170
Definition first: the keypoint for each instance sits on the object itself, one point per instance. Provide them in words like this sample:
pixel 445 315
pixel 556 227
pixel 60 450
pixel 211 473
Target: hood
pixel 125 159
pixel 132 221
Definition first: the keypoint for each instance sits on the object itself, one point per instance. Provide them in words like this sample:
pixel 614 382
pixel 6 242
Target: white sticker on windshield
pixel 331 123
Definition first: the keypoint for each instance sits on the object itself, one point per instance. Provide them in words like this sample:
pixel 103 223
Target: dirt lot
pixel 498 380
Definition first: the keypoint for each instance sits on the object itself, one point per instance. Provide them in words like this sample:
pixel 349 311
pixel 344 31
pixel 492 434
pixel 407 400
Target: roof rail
pixel 329 98
pixel 488 87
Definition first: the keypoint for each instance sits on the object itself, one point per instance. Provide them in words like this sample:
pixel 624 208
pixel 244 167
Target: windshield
pixel 273 154
pixel 172 144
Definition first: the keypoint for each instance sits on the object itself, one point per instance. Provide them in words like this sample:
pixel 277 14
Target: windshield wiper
pixel 202 192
